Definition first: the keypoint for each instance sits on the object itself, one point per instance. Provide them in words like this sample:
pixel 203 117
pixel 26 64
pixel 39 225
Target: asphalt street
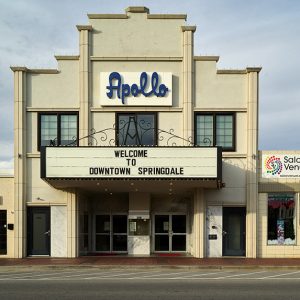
pixel 157 283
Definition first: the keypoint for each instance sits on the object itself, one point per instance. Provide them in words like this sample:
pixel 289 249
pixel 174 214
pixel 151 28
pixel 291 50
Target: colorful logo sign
pixel 273 165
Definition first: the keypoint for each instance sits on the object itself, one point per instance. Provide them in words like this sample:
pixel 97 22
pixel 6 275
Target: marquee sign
pixel 135 89
pixel 135 162
pixel 280 165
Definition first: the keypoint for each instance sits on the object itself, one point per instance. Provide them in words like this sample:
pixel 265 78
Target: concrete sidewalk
pixel 125 261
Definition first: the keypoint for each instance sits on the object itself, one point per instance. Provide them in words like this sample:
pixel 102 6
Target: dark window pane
pixel 178 224
pixel 119 224
pixel 102 224
pixel 119 242
pixel 161 242
pixel 178 243
pixel 136 130
pixel 102 243
pixel 162 224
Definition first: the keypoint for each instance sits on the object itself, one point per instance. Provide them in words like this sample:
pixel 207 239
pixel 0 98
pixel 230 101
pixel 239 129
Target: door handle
pixel 224 232
pixel 47 233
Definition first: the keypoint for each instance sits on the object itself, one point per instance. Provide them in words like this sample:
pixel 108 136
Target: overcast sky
pixel 262 33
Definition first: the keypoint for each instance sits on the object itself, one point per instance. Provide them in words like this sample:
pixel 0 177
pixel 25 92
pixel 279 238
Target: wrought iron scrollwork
pixel 133 133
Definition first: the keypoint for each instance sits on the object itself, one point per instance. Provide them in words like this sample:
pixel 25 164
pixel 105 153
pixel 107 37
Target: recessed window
pixel 136 129
pixel 281 215
pixel 215 129
pixel 58 129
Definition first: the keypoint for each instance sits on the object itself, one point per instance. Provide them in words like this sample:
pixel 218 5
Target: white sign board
pixel 280 166
pixel 136 88
pixel 136 162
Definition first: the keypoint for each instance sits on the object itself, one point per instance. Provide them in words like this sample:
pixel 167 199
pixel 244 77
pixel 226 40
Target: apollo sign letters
pixel 280 165
pixel 136 89
pixel 136 162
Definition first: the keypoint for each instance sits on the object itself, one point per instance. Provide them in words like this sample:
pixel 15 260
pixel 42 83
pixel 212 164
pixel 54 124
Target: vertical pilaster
pixel 188 81
pixel 252 161
pixel 19 161
pixel 72 224
pixel 84 69
pixel 199 224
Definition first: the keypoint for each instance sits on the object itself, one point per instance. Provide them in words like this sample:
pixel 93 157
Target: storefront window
pixel 136 129
pixel 281 227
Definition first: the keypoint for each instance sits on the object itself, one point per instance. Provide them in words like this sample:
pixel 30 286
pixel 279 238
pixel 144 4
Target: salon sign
pixel 280 165
pixel 135 88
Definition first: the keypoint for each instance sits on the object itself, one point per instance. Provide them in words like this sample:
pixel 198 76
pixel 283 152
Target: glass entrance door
pixel 111 233
pixel 234 227
pixel 38 231
pixel 170 233
pixel 3 232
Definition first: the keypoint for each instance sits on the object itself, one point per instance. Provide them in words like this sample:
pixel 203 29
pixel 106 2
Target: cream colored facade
pixel 137 41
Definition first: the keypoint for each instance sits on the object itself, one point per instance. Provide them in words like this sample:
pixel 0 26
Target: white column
pixel 199 224
pixel 188 82
pixel 84 85
pixel 19 160
pixel 72 224
pixel 252 162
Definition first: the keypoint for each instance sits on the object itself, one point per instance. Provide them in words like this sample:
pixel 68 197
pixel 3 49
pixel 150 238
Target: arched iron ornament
pixel 141 129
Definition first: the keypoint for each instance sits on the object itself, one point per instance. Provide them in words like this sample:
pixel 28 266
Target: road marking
pixel 278 275
pixel 36 275
pixel 203 274
pixel 113 276
pixel 238 275
pixel 162 274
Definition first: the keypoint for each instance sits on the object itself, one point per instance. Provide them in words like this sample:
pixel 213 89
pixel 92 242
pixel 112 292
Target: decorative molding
pixel 121 108
pixel 84 27
pixel 107 16
pixel 236 109
pixel 232 71
pixel 141 58
pixel 66 57
pixel 206 58
pixel 38 109
pixel 253 69
pixel 188 28
pixel 35 71
pixel 137 9
pixel 165 16
pixel 233 155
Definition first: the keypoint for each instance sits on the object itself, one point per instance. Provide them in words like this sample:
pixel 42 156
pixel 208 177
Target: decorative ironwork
pixel 137 131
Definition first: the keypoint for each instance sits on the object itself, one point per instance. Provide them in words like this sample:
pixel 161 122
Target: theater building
pixel 136 146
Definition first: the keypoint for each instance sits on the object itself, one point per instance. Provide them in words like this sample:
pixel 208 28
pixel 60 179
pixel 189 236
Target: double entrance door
pixel 111 233
pixel 169 233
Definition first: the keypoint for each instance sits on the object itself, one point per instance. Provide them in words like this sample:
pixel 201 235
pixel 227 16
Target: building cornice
pixel 141 58
pixel 232 71
pixel 165 16
pixel 188 28
pixel 66 57
pixel 107 16
pixel 253 69
pixel 36 71
pixel 137 9
pixel 84 27
pixel 206 58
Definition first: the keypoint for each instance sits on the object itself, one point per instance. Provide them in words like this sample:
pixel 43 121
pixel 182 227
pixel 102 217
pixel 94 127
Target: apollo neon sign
pixel 124 90
pixel 133 88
